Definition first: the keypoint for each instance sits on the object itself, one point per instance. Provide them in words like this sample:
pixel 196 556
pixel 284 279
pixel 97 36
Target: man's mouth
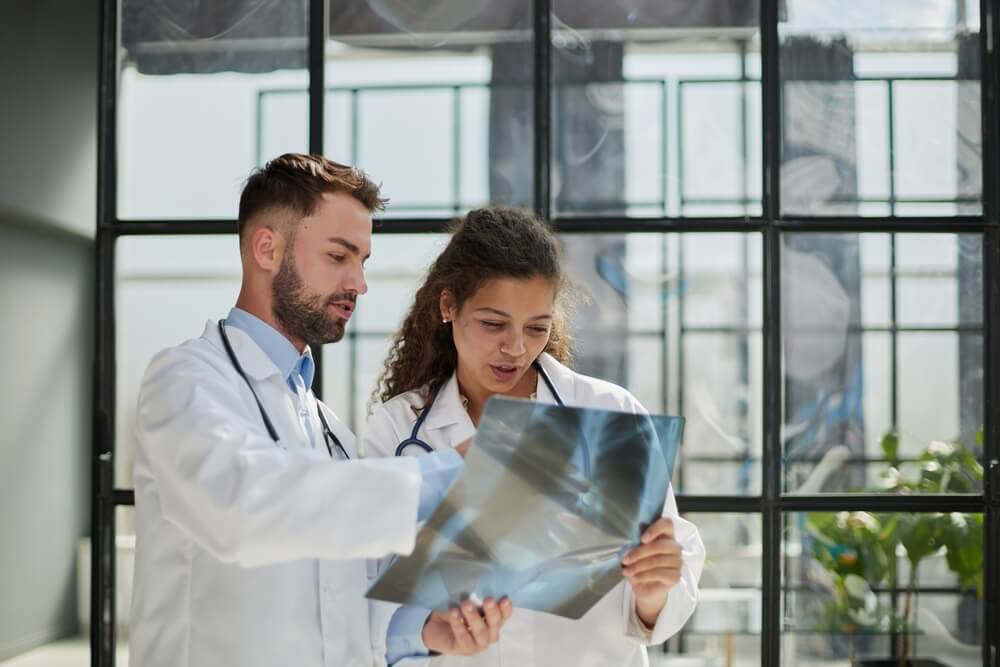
pixel 343 308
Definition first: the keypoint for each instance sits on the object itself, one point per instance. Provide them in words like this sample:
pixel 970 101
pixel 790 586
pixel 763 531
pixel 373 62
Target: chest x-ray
pixel 550 499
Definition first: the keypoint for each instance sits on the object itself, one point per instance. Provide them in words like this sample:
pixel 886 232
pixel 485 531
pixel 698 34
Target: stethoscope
pixel 414 438
pixel 328 435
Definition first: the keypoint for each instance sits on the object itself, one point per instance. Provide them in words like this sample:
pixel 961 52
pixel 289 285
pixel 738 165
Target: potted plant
pixel 859 549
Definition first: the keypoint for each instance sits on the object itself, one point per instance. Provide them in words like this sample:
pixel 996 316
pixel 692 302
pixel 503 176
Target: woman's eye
pixel 492 325
pixel 539 330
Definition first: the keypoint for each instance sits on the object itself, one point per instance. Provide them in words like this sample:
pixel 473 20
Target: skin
pixel 325 252
pixel 504 326
pixel 304 280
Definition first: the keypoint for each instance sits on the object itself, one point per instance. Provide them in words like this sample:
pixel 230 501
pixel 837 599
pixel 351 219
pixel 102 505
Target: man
pixel 253 518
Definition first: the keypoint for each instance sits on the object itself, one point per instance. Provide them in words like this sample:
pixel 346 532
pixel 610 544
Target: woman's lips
pixel 504 372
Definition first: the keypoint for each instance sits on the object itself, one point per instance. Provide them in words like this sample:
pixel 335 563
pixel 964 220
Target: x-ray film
pixel 550 500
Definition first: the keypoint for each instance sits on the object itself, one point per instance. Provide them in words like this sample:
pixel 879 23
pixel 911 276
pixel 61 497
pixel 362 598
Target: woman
pixel 488 320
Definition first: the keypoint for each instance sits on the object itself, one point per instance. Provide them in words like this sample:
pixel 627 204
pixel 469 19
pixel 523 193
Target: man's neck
pixel 266 315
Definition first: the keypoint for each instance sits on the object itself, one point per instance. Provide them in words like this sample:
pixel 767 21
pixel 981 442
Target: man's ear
pixel 265 248
pixel 446 303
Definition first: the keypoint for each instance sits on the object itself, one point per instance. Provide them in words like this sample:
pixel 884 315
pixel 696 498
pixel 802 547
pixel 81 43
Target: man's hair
pixel 295 182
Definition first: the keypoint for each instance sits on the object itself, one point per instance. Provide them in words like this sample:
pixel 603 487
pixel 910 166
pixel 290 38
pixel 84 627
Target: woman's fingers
pixel 665 546
pixel 666 576
pixel 662 527
pixel 673 561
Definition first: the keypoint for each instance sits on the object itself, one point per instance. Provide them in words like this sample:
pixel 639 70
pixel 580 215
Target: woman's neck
pixel 476 395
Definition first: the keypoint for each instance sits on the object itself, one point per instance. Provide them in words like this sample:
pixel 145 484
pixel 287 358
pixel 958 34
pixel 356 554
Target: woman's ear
pixel 446 303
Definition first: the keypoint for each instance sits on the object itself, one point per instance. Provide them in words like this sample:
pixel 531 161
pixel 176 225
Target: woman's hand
pixel 466 630
pixel 653 568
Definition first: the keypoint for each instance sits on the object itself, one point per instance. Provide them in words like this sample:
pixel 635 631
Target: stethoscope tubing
pixel 414 439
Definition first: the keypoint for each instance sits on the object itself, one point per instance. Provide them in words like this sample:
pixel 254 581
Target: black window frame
pixel 771 504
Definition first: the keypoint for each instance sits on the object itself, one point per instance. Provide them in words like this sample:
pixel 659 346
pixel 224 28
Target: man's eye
pixel 336 258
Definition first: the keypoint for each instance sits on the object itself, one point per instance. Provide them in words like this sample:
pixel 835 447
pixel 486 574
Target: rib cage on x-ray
pixel 549 501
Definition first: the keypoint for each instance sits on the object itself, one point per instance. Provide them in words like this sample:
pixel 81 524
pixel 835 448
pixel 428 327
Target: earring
pixel 444 320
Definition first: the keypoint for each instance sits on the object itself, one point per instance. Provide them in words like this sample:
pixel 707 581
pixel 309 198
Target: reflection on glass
pixel 189 102
pixel 863 586
pixel 725 627
pixel 881 108
pixel 435 102
pixel 883 362
pixel 166 289
pixel 656 108
pixel 676 319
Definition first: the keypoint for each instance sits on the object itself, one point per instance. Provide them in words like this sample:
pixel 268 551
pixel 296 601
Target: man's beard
pixel 303 315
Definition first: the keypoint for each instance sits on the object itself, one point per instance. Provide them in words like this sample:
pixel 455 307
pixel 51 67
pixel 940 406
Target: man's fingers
pixel 660 528
pixel 476 624
pixel 506 607
pixel 661 547
pixel 673 561
pixel 493 618
pixel 463 640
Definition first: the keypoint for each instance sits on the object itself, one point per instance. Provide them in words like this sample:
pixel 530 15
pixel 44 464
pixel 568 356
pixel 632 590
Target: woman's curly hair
pixel 488 243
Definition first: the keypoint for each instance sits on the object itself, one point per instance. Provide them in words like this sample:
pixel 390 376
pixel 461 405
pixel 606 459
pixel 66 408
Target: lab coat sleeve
pixel 223 481
pixel 683 597
pixel 380 440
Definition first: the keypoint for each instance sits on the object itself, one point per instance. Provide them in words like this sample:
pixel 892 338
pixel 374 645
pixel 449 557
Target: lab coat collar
pixel 448 409
pixel 254 360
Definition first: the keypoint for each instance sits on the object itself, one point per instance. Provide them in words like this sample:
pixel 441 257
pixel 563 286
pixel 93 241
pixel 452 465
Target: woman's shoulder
pixel 401 407
pixel 585 390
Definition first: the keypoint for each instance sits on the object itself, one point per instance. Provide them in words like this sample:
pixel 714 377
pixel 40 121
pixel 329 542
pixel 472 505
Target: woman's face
pixel 499 331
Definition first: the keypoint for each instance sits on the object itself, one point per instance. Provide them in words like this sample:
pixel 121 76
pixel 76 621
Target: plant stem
pixel 904 654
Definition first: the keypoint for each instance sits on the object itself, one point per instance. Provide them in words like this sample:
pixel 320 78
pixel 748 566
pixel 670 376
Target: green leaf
pixel 890 447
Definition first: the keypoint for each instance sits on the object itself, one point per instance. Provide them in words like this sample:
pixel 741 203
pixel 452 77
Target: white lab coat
pixel 249 553
pixel 610 634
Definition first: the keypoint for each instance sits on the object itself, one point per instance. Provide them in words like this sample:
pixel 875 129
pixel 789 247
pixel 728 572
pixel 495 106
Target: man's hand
pixel 466 631
pixel 653 568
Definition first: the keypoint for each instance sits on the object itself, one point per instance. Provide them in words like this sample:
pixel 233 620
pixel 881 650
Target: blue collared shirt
pixel 437 470
pixel 298 370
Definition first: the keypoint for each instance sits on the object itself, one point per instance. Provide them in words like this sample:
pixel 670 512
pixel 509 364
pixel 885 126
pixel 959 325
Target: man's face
pixel 322 270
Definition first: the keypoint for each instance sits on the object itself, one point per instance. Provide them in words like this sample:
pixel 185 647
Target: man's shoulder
pixel 194 355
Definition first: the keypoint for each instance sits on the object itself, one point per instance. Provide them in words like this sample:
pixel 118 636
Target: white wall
pixel 48 66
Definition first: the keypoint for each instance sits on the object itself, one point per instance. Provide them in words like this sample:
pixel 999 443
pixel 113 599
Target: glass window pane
pixel 166 289
pixel 194 116
pixel 656 109
pixel 436 102
pixel 725 627
pixel 882 335
pixel 881 108
pixel 352 366
pixel 864 586
pixel 675 319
